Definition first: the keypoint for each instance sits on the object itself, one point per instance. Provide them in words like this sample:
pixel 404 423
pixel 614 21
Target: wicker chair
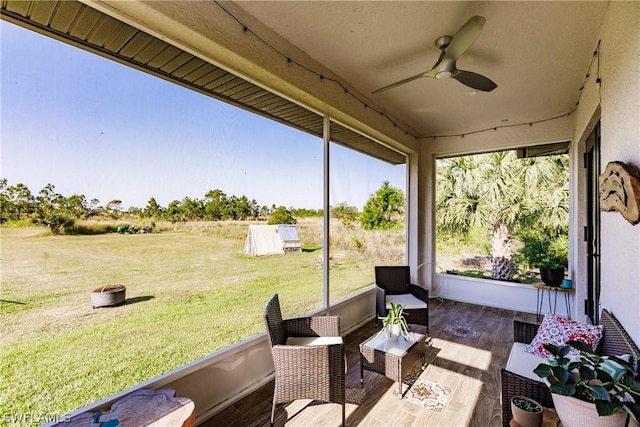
pixel 313 371
pixel 393 284
pixel 615 341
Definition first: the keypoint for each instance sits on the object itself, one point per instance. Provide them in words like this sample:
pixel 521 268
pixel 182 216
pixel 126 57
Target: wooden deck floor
pixel 460 385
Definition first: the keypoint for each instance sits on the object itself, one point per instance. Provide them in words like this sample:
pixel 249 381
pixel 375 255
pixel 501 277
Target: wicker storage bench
pixel 615 341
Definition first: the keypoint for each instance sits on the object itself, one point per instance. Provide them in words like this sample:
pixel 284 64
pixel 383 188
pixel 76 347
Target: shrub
pixel 58 223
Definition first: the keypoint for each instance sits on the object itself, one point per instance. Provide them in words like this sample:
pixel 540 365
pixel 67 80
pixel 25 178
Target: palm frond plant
pixel 395 318
pixel 585 378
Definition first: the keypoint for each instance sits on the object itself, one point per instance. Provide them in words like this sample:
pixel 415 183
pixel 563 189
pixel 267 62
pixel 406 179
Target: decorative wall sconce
pixel 620 190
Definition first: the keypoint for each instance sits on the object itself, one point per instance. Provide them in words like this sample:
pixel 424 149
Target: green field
pixel 190 292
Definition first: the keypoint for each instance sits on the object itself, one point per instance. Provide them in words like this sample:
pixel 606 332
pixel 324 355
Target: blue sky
pixel 91 126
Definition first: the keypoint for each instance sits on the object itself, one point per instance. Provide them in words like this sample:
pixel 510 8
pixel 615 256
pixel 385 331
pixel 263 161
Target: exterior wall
pixel 620 122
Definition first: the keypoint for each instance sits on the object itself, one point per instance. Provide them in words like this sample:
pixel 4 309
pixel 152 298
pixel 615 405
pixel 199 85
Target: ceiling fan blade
pixel 466 35
pixel 474 80
pixel 430 73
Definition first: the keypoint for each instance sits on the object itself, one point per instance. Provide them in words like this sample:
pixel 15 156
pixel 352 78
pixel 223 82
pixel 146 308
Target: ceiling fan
pixel 452 48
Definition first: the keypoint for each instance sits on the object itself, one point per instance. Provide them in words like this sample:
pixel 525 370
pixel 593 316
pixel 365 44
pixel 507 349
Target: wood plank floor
pixel 470 344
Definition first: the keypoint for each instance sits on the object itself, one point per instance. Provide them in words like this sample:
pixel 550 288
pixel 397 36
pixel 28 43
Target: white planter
pixel 393 332
pixel 578 413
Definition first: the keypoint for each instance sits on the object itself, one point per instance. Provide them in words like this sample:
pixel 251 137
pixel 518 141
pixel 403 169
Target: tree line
pixel 383 210
pixel 522 205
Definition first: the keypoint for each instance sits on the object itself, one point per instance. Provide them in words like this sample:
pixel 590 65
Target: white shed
pixel 272 239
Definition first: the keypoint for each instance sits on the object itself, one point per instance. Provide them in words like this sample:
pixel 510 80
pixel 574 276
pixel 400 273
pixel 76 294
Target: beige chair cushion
pixel 314 340
pixel 408 300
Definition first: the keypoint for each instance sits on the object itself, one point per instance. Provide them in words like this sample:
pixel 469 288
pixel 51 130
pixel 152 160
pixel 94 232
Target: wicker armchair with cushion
pixel 518 378
pixel 308 357
pixel 393 284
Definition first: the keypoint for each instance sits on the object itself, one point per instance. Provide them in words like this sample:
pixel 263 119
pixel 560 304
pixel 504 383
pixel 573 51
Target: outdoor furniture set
pixel 308 353
pixel 518 378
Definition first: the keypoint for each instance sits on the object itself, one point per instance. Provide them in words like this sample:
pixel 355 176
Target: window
pixel 499 215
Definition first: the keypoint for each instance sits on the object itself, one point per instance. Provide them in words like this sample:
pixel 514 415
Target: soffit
pixel 82 26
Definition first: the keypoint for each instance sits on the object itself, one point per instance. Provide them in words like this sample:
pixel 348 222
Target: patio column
pixel 326 133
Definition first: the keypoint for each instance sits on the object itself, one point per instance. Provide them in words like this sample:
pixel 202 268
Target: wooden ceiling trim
pixel 120 38
pixel 65 14
pixel 44 12
pixel 239 88
pixel 249 93
pixel 214 84
pixel 151 51
pixel 183 65
pixel 232 83
pixel 87 20
pixel 209 78
pixel 138 44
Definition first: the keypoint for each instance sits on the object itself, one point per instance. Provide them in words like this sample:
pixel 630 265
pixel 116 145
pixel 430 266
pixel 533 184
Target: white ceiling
pixel 536 52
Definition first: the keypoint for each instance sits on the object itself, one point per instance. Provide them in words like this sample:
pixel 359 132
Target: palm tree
pixel 501 193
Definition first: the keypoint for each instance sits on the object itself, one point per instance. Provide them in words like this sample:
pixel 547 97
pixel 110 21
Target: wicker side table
pixel 393 359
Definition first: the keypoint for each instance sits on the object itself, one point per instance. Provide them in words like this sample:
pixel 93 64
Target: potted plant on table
pixel 394 323
pixel 551 272
pixel 548 252
pixel 526 412
pixel 583 389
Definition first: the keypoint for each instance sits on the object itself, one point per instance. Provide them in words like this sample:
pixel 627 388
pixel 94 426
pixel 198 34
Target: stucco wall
pixel 618 104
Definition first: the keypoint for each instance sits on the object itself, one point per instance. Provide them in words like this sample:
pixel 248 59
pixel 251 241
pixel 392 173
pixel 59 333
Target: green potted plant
pixel 551 272
pixel 394 323
pixel 583 389
pixel 547 252
pixel 526 412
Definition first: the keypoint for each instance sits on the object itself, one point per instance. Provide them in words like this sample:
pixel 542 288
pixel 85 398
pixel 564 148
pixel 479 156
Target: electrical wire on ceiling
pixel 596 56
pixel 322 77
pixel 292 61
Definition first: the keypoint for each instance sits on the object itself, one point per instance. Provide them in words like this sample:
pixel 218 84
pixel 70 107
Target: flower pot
pixel 578 413
pixel 106 296
pixel 393 332
pixel 552 276
pixel 524 417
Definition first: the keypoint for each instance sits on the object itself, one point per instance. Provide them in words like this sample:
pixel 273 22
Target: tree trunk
pixel 501 252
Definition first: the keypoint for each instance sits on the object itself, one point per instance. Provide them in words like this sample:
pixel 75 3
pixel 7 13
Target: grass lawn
pixel 190 292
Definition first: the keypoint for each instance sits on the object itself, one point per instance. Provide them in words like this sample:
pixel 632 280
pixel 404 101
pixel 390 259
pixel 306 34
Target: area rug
pixel 427 394
pixel 462 331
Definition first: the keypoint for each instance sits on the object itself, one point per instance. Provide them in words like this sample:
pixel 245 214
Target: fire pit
pixel 107 296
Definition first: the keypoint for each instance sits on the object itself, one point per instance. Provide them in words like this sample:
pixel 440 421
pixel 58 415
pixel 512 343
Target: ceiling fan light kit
pixel 452 48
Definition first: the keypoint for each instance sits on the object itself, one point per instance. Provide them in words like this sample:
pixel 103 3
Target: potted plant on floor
pixel 526 412
pixel 589 389
pixel 394 323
